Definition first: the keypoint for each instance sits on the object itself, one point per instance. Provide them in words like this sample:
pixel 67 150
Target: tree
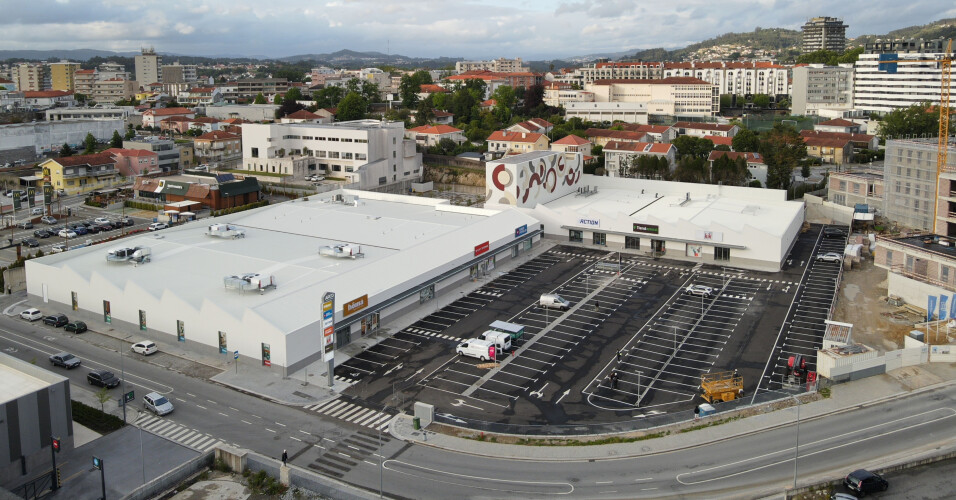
pixel 916 120
pixel 370 91
pixel 260 99
pixel 290 103
pixel 411 85
pixel 103 396
pixel 533 97
pixel 351 107
pixel 89 144
pixel 805 171
pixel 66 150
pixel 130 134
pixel 293 94
pixel 696 147
pixel 781 148
pixel 116 141
pixel 745 141
pixel 447 146
pixel 725 101
pixel 505 100
pixel 329 97
pixel 691 169
pixel 173 104
pixel 761 101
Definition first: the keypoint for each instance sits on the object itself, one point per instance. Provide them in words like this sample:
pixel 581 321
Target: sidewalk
pixel 845 396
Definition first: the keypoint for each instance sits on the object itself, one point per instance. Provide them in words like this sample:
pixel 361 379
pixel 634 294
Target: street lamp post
pixel 123 375
pixel 381 459
pixel 796 452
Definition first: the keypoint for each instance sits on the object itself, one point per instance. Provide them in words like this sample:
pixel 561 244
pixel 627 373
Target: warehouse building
pixel 254 281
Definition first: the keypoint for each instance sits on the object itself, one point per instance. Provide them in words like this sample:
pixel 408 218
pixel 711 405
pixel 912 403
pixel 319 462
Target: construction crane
pixel 946 66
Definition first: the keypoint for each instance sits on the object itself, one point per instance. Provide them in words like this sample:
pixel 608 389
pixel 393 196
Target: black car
pixel 94 229
pixel 42 233
pixel 25 225
pixel 65 359
pixel 56 320
pixel 75 327
pixel 102 378
pixel 127 221
pixel 833 232
pixel 30 242
pixel 862 481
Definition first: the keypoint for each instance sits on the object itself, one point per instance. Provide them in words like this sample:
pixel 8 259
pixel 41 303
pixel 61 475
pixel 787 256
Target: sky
pixel 530 29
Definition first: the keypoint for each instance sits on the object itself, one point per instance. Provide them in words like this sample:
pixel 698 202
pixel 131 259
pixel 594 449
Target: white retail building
pixel 725 225
pixel 406 250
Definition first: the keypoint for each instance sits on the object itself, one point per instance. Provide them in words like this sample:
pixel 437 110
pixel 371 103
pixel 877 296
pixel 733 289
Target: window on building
pixel 575 236
pixel 632 243
pixel 600 239
pixel 255 152
pixel 721 253
pixel 889 258
pixel 944 274
pixel 909 263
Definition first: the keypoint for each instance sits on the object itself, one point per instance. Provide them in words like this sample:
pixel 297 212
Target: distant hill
pixel 353 59
pixel 767 39
pixel 55 55
pixel 944 28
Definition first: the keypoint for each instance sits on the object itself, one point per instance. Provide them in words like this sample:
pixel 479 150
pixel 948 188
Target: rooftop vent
pixel 136 255
pixel 249 281
pixel 225 231
pixel 342 251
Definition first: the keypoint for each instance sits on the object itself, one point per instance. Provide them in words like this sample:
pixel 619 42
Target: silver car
pixel 701 290
pixel 830 257
pixel 157 403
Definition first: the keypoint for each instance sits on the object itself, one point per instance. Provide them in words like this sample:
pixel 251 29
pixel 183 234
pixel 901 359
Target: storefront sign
pixel 646 228
pixel 107 317
pixel 521 231
pixel 355 305
pixel 710 236
pixel 328 325
pixel 482 248
pixel 584 221
pixel 266 355
pixel 47 194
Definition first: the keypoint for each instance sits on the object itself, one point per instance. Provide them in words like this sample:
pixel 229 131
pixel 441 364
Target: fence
pixel 826 212
pixel 460 188
pixel 171 479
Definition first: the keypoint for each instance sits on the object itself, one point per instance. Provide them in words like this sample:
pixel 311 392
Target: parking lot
pixel 628 314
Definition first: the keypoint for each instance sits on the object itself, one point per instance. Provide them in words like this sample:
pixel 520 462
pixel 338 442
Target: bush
pixel 221 466
pixel 140 205
pixel 95 419
pixel 242 208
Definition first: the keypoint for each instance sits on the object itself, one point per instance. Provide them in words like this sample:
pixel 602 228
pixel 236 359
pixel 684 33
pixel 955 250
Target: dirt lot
pixel 862 302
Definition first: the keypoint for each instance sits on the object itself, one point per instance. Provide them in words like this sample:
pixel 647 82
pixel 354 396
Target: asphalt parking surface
pixel 629 314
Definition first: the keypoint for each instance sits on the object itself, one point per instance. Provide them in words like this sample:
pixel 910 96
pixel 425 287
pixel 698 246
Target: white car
pixel 830 257
pixel 145 347
pixel 701 290
pixel 31 314
pixel 101 220
pixel 67 233
pixel 157 403
pixel 156 226
pixel 36 211
pixel 59 247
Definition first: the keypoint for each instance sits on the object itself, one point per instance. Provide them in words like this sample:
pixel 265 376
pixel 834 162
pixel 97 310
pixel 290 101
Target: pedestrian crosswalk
pixel 175 432
pixel 347 380
pixel 344 409
pixel 485 292
pixel 429 333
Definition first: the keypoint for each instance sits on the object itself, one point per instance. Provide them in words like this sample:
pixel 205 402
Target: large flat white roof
pixel 19 378
pixel 402 237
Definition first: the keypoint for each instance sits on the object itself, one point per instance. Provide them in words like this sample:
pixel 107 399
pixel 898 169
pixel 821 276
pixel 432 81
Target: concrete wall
pixel 825 212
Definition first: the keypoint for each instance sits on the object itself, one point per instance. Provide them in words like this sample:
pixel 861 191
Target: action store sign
pixel 328 324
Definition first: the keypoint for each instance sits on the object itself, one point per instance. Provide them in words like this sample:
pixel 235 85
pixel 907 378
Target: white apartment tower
pixel 149 67
pixel 883 87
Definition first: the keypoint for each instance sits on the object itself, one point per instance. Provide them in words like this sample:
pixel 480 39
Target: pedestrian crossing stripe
pixel 429 333
pixel 353 413
pixel 177 433
pixel 493 294
pixel 347 380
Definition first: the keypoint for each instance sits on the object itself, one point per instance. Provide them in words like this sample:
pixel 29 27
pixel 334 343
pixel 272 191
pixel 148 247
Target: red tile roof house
pixel 536 125
pixel 601 136
pixel 755 164
pixel 839 125
pixel 502 141
pixel 133 162
pixel 701 129
pixel 618 155
pixel 571 144
pixel 152 117
pixel 660 133
pixel 430 135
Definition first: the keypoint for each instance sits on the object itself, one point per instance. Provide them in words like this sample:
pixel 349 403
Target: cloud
pixel 184 29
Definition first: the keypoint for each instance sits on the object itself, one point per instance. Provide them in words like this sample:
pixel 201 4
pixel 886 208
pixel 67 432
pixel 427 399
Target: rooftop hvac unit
pixel 249 281
pixel 136 255
pixel 342 251
pixel 225 231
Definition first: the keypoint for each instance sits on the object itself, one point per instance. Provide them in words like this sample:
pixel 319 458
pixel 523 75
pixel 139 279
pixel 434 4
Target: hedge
pixel 241 208
pixel 142 205
pixel 94 419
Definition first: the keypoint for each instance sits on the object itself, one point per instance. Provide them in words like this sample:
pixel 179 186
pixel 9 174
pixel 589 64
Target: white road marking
pixel 223 414
pixel 203 407
pixel 247 422
pixel 270 430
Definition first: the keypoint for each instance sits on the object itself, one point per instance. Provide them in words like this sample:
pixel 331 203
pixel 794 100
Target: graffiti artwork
pixel 527 183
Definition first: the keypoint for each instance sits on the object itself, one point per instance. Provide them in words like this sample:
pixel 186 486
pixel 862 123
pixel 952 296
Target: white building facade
pixel 884 87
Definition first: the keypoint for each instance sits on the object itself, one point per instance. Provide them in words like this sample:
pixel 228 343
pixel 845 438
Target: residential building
pixel 443 117
pixel 607 112
pixel 500 65
pixel 61 75
pixel 909 177
pixel 113 90
pixel 824 33
pixel 659 133
pixel 7 85
pixel 591 73
pixel 618 155
pixel 883 87
pixel 918 266
pixel 81 173
pixel 249 88
pixel 561 94
pixel 149 67
pixel 674 96
pixel 862 187
pixel 35 404
pixel 736 78
pixel 48 98
pixel 303 116
pixel 97 113
pixel 109 70
pixel 201 96
pixel 29 77
pixel 431 135
pixel 858 141
pixel 152 117
pixel 83 80
pixel 38 138
pixel 248 112
pixel 695 129
pixel 829 150
pixel 839 125
pixel 133 162
pixel 506 143
pixel 493 80
pixel 720 140
pixel 536 125
pixel 817 87
pixel 571 144
pixel 169 156
pixel 601 136
pixel 756 168
pixel 370 153
pixel 179 73
pixel 218 148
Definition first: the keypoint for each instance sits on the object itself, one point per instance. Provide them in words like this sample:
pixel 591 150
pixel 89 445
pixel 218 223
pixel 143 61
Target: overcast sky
pixel 531 29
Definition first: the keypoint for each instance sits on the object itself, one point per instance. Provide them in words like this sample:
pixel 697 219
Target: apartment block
pixel 882 87
pixel 368 153
pixel 218 148
pixel 61 75
pixel 853 188
pixel 738 78
pixel 824 33
pixel 500 65
pixel 29 77
pixel 249 88
pixel 113 90
pixel 149 67
pixel 819 87
pixel 179 73
pixel 674 96
pixel 169 157
pixel 909 173
pixel 81 173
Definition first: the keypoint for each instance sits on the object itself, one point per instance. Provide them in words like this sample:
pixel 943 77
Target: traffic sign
pixel 235 355
pixel 56 445
pixel 128 397
pixel 97 462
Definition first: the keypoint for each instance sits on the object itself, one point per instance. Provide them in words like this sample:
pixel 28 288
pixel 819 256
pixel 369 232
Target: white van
pixel 502 340
pixel 475 348
pixel 554 301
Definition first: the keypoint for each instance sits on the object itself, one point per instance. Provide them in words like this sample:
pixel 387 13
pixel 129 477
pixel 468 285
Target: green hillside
pixel 944 28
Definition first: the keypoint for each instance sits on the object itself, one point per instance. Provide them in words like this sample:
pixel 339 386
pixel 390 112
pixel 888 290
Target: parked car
pixel 31 314
pixel 30 242
pixel 66 233
pixel 476 348
pixel 145 347
pixel 157 403
pixel 65 359
pixel 862 481
pixel 126 221
pixel 42 233
pixel 48 219
pixel 699 290
pixel 101 220
pixel 554 301
pixel 830 257
pixel 833 232
pixel 156 226
pixel 56 320
pixel 102 378
pixel 94 229
pixel 75 327
pixel 59 247
pixel 36 211
pixel 25 225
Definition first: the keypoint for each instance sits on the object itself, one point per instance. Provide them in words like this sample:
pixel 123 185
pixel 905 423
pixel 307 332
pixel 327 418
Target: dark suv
pixel 862 481
pixel 834 232
pixel 102 378
pixel 56 320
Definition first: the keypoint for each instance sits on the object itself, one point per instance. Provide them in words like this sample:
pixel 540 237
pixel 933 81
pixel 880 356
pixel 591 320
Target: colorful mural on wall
pixel 525 183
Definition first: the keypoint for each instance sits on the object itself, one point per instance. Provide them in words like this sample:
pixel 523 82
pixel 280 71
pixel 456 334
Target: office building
pixel 824 33
pixel 883 87
pixel 819 87
pixel 179 73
